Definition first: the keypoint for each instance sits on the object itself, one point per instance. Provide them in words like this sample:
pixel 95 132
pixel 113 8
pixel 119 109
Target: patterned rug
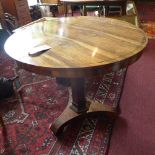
pixel 146 13
pixel 40 100
pixel 149 28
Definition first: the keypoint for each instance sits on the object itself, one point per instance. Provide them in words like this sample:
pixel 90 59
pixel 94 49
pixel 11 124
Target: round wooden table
pixel 80 47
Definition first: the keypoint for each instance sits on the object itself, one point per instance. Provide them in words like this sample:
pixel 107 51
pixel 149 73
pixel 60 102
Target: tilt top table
pixel 80 47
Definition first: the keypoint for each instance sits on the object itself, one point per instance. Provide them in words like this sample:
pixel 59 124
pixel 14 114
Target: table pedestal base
pixel 68 116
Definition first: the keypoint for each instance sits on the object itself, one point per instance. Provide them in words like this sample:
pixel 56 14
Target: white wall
pixel 32 2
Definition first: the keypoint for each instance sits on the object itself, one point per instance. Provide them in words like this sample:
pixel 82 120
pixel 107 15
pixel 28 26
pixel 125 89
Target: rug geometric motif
pixel 40 100
pixel 149 28
pixel 146 14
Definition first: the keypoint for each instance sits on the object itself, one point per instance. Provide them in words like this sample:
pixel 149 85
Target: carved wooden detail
pixel 19 9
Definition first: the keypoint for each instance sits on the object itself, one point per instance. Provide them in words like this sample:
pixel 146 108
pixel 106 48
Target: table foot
pixel 68 116
pixel 63 120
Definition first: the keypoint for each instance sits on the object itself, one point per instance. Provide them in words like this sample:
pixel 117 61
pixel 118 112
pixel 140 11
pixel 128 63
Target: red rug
pixel 40 101
pixel 146 13
pixel 149 28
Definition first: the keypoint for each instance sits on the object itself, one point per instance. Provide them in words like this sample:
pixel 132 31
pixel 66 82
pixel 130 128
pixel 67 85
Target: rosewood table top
pixel 80 46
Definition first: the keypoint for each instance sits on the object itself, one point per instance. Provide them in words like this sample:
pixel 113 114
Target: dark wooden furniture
pixel 1 9
pixel 101 3
pixel 7 21
pixel 132 15
pixel 2 21
pixel 116 5
pixel 48 10
pixel 80 47
pixel 49 4
pixel 17 8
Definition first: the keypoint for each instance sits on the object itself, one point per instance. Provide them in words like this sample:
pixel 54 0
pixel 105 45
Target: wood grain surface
pixel 80 46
